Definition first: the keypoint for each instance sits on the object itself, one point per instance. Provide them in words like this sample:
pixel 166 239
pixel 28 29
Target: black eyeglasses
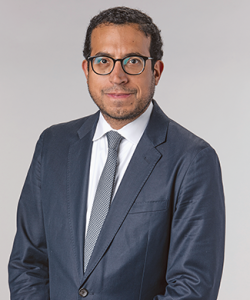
pixel 132 65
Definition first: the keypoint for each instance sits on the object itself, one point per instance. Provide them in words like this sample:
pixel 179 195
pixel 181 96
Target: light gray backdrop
pixel 205 87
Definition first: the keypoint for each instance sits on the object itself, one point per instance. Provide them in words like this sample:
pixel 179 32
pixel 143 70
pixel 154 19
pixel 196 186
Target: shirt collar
pixel 131 132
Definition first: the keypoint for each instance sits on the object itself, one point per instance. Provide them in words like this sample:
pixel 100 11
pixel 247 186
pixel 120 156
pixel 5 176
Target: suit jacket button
pixel 83 293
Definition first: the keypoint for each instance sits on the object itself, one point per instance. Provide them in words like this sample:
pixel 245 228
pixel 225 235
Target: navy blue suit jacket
pixel 163 237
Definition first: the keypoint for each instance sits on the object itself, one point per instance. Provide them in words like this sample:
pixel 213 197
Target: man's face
pixel 121 97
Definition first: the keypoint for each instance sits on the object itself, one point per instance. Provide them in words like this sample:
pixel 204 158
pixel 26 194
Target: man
pixel 142 218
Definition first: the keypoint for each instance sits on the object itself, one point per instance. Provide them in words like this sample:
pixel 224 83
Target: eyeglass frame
pixel 145 58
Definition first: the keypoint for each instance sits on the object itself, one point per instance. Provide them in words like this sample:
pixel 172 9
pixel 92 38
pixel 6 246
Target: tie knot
pixel 114 139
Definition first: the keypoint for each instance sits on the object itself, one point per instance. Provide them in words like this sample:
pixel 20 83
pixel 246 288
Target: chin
pixel 117 116
pixel 122 114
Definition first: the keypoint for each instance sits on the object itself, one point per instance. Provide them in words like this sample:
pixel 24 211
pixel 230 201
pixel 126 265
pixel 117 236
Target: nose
pixel 118 76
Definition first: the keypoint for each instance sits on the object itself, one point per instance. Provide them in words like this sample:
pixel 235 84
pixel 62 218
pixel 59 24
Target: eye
pixel 100 60
pixel 131 61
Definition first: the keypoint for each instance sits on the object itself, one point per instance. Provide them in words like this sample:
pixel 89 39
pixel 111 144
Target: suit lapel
pixel 145 157
pixel 77 187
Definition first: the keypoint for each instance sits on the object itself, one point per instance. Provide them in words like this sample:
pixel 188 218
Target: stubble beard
pixel 142 104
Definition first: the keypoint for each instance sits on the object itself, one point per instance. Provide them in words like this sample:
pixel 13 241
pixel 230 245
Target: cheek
pixel 145 85
pixel 95 84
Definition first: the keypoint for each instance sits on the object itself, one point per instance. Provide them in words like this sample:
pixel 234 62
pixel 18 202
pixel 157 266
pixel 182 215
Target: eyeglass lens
pixel 104 65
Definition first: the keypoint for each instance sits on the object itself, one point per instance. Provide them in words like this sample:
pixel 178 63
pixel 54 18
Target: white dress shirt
pixel 132 133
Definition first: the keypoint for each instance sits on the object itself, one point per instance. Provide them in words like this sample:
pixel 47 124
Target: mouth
pixel 119 95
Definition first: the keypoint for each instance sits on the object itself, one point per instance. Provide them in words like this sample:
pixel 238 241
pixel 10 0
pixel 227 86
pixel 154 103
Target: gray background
pixel 205 87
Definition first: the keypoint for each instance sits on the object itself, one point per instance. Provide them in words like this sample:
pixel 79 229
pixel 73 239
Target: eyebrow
pixel 126 55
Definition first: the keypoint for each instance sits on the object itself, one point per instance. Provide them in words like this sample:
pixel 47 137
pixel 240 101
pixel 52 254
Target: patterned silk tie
pixel 103 196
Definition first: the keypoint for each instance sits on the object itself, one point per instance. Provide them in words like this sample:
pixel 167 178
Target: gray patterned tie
pixel 103 196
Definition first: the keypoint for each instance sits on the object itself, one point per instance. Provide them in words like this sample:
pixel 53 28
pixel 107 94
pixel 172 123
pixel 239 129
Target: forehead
pixel 119 40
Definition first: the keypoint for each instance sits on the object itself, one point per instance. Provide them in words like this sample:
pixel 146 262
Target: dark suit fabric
pixel 163 237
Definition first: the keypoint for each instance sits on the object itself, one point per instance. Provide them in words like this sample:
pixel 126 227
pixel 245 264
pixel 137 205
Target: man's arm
pixel 196 253
pixel 28 265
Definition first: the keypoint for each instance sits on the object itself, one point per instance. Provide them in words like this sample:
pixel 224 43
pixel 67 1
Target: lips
pixel 118 95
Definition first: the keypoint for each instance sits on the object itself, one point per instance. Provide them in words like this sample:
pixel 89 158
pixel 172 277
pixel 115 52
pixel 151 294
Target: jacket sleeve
pixel 196 253
pixel 28 265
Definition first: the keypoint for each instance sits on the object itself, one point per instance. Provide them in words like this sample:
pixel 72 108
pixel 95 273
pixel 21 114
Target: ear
pixel 85 68
pixel 158 69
